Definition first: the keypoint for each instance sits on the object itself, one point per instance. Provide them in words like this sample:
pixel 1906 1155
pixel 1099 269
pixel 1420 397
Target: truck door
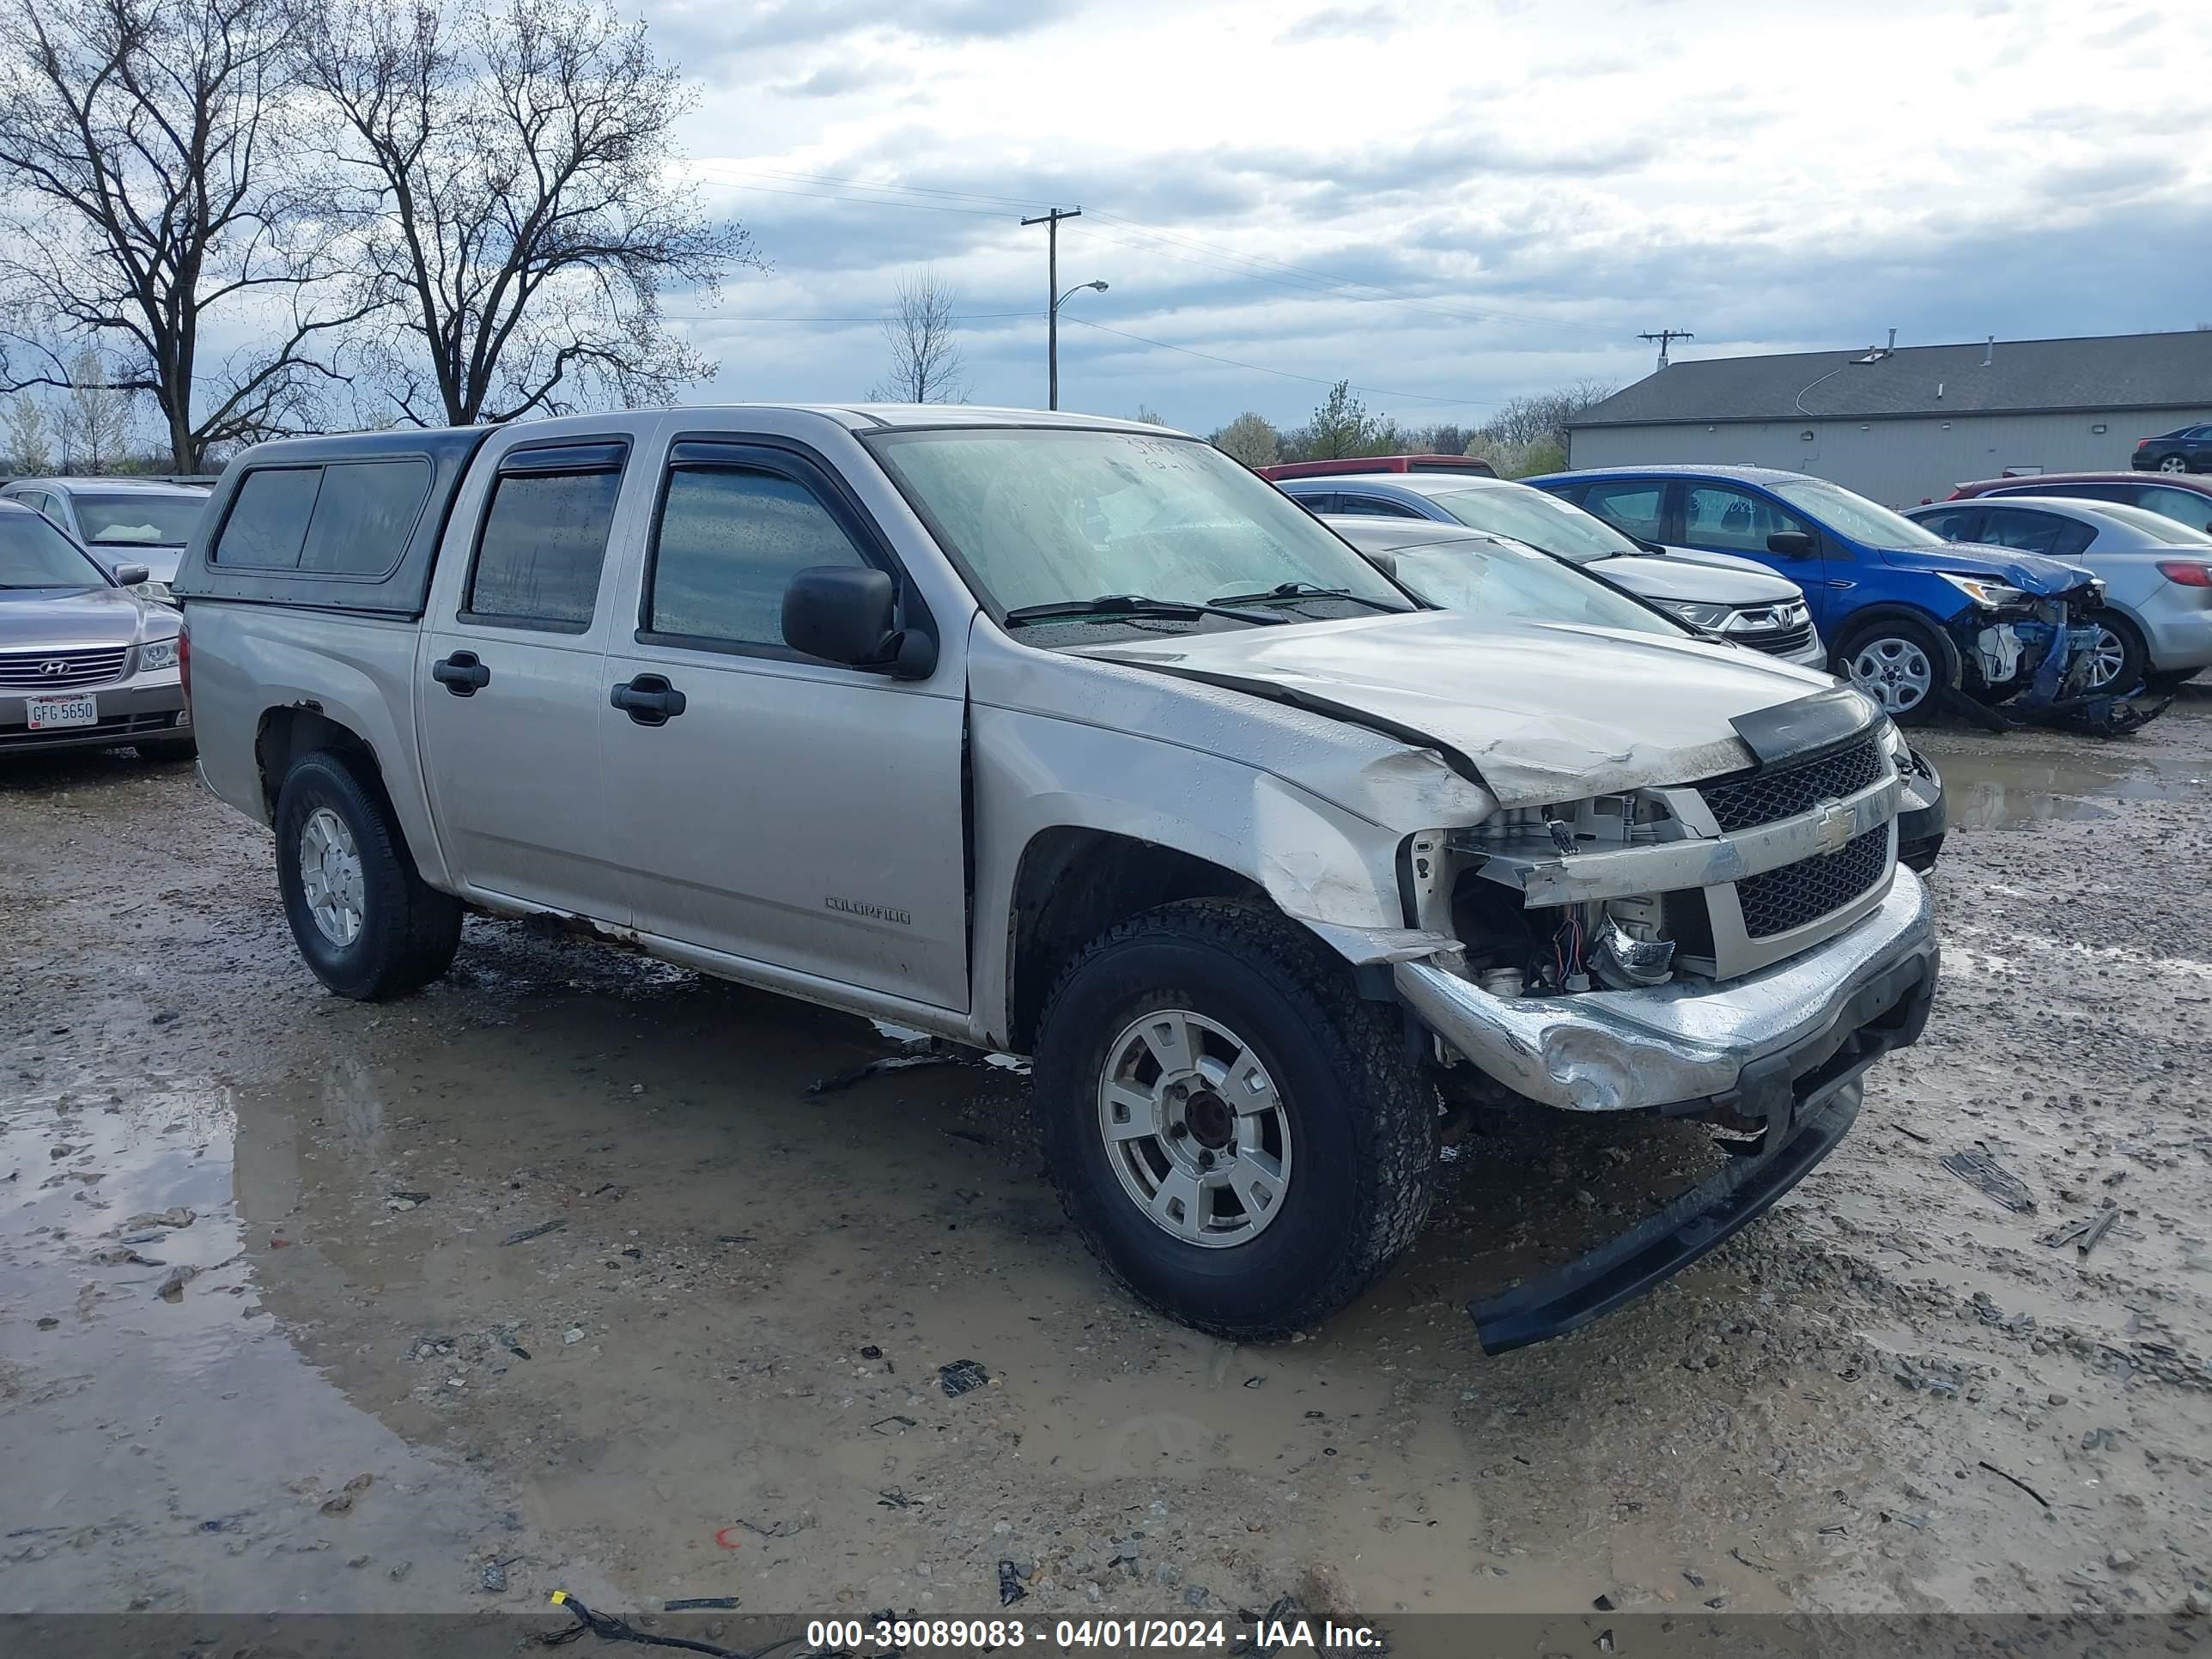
pixel 771 806
pixel 511 679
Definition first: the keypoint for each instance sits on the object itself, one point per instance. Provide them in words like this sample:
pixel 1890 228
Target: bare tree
pixel 23 426
pixel 926 366
pixel 1250 440
pixel 1530 420
pixel 1150 416
pixel 96 418
pixel 516 202
pixel 149 202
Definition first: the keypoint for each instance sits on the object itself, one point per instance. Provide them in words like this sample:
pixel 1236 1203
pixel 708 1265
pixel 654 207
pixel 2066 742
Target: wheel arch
pixel 1072 885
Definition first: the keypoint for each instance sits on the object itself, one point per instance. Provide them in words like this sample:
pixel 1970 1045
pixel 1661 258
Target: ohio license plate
pixel 49 714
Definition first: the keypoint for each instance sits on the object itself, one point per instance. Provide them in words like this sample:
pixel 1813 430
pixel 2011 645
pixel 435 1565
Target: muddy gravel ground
pixel 564 1272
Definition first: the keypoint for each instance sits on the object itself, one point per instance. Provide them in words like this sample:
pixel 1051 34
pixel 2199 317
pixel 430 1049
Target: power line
pixel 1261 368
pixel 1258 267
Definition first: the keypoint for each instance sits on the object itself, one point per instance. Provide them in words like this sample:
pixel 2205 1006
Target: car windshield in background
pixel 1528 514
pixel 1855 516
pixel 2156 526
pixel 34 554
pixel 138 520
pixel 1059 516
pixel 1521 585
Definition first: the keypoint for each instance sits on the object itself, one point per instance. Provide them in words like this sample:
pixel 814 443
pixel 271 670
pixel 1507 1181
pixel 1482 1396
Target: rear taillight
pixel 2143 443
pixel 185 660
pixel 2186 572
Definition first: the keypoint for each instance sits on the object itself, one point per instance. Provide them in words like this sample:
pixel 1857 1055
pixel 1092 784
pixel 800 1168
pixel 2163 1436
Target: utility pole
pixel 1667 336
pixel 1051 223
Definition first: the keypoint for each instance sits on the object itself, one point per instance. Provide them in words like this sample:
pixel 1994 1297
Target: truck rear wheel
pixel 367 924
pixel 1236 1135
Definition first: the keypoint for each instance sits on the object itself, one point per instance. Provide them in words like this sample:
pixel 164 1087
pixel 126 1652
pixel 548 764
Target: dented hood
pixel 1537 712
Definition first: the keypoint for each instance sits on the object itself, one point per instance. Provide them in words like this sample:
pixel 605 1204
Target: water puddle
pixel 2006 791
pixel 186 1456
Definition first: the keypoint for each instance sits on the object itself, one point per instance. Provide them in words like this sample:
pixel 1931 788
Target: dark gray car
pixel 84 663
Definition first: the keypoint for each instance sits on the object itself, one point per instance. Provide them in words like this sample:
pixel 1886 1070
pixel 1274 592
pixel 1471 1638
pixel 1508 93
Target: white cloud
pixel 1542 183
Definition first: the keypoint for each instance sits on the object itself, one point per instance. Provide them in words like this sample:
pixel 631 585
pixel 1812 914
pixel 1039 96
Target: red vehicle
pixel 1382 464
pixel 2184 498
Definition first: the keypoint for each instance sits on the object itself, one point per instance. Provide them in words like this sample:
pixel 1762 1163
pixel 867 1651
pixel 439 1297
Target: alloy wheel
pixel 1194 1129
pixel 331 877
pixel 1894 671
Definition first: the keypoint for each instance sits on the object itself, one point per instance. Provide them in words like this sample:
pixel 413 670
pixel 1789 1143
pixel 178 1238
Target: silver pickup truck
pixel 1072 738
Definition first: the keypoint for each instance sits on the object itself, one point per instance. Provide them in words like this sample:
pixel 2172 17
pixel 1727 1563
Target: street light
pixel 1052 341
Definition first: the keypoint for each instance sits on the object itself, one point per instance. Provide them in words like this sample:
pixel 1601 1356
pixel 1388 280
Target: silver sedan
pixel 2157 620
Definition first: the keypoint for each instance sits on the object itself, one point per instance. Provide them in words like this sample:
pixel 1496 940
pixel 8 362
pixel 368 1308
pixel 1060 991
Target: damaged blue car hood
pixel 2029 572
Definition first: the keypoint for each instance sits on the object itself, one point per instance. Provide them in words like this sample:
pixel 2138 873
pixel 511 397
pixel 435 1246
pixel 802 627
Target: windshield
pixel 147 520
pixel 1050 517
pixel 2156 526
pixel 34 554
pixel 1528 514
pixel 1495 580
pixel 1855 516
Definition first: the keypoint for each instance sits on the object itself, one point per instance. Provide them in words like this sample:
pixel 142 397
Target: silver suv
pixel 1741 601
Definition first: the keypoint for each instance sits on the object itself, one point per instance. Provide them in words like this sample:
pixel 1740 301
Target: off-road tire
pixel 1362 1115
pixel 167 748
pixel 409 931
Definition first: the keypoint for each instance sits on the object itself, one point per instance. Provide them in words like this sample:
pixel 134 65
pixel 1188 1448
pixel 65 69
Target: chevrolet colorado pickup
pixel 1070 738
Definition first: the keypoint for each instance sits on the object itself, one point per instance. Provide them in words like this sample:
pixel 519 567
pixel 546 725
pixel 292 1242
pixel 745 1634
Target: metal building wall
pixel 1900 461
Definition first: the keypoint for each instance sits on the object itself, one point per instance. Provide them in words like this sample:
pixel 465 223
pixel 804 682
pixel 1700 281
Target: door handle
pixel 648 699
pixel 463 674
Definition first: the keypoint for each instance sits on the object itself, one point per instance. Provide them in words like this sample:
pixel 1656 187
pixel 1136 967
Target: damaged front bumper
pixel 1606 1051
pixel 1786 1049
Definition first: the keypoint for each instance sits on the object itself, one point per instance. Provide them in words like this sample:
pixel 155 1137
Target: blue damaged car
pixel 1917 623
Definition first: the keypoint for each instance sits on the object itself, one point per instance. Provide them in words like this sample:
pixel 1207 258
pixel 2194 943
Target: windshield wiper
pixel 1129 604
pixel 1306 591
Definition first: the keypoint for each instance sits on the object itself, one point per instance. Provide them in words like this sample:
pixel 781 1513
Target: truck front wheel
pixel 1236 1135
pixel 366 921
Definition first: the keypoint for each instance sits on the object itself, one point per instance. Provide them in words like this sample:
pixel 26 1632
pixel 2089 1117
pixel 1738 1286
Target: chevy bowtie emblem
pixel 1835 826
pixel 54 668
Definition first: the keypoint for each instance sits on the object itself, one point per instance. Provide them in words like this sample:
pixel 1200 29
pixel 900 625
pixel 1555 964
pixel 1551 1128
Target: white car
pixel 117 520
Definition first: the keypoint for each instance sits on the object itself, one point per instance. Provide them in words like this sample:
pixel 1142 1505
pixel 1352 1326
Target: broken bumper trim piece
pixel 1604 1051
pixel 1699 1220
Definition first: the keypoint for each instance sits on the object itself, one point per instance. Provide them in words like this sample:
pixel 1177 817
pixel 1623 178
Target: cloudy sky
pixel 1447 205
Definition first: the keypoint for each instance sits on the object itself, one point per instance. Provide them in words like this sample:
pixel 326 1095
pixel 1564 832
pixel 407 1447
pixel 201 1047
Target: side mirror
pixel 849 614
pixel 130 575
pixel 1385 562
pixel 1791 544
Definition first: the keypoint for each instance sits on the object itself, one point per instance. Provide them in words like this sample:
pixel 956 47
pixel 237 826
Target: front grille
pixel 1781 644
pixel 119 728
pixel 1794 786
pixel 57 670
pixel 1779 900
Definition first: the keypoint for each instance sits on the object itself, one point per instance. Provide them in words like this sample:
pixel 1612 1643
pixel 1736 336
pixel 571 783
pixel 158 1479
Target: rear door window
pixel 2025 531
pixel 268 520
pixel 544 538
pixel 1735 521
pixel 1374 507
pixel 1632 505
